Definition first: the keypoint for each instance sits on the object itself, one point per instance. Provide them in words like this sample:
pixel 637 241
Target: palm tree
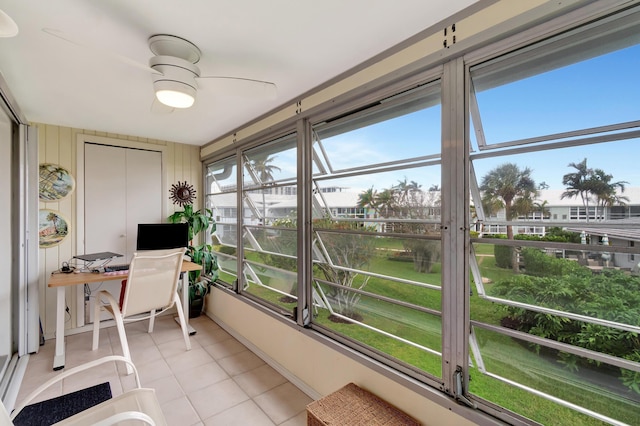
pixel 414 186
pixel 407 196
pixel 368 200
pixel 542 208
pixel 415 190
pixel 262 166
pixel 595 183
pixel 48 179
pixel 53 218
pixel 402 190
pixel 385 200
pixel 605 191
pixel 508 187
pixel 578 183
pixel 511 188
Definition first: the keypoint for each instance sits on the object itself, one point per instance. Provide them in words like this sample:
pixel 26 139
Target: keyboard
pixel 116 268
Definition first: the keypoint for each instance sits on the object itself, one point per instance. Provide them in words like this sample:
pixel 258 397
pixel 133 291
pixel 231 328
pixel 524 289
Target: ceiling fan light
pixel 175 99
pixel 175 93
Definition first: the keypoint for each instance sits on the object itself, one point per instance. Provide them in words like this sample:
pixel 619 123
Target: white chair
pixel 139 404
pixel 151 286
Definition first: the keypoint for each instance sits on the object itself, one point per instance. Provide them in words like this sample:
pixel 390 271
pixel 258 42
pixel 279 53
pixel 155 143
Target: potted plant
pixel 200 222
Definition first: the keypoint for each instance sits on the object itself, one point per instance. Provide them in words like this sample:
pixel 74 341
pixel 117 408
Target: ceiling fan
pixel 8 27
pixel 175 75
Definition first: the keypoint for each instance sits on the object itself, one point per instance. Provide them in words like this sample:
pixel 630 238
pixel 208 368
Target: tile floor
pixel 218 382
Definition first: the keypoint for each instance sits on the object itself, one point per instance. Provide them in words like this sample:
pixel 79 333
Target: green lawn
pixel 513 360
pixel 483 249
pixel 389 243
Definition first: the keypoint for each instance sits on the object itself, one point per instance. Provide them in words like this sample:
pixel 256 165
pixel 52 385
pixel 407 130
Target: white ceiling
pixel 296 44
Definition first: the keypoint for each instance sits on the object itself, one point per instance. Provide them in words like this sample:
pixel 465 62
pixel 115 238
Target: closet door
pixel 144 193
pixel 105 210
pixel 123 187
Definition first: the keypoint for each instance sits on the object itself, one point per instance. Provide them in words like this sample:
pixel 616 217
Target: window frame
pixel 457 167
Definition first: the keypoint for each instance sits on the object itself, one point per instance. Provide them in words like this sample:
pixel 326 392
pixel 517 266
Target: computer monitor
pixel 160 236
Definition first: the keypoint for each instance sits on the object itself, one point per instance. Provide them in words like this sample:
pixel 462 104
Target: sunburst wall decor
pixel 182 193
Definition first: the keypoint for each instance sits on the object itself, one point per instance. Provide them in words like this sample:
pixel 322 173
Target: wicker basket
pixel 353 406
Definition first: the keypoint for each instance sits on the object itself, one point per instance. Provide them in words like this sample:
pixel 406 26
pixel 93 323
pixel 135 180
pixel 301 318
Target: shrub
pixel 540 264
pixel 401 256
pixel 503 255
pixel 350 251
pixel 611 295
pixel 226 250
pixel 558 234
pixel 631 379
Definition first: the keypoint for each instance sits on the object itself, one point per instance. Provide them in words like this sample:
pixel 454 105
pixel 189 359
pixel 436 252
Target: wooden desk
pixel 60 281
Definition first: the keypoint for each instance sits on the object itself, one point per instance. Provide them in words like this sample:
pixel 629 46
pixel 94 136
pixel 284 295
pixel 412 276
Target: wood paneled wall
pixel 58 145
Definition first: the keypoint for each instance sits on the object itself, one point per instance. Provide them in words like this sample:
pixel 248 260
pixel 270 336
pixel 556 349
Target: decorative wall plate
pixel 55 182
pixel 52 229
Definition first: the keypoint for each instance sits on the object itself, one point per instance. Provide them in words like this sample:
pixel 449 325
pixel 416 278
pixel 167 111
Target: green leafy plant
pixel 631 379
pixel 538 263
pixel 565 285
pixel 199 222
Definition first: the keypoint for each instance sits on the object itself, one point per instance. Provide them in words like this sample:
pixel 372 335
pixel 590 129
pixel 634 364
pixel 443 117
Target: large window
pixel 555 312
pixel 222 199
pixel 269 232
pixel 342 225
pixel 376 228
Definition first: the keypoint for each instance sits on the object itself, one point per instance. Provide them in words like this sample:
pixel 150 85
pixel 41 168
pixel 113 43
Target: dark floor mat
pixel 53 410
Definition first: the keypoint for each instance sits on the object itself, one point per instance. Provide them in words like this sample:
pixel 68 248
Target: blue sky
pixel 599 91
pixel 596 92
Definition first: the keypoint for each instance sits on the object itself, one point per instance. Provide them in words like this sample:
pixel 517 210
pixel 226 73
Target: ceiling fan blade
pixel 236 86
pixel 158 107
pixel 96 50
pixel 8 27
